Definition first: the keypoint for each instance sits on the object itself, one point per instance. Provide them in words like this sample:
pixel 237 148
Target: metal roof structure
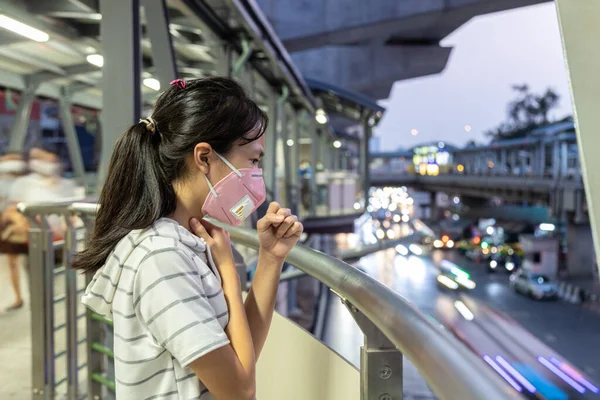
pixel 349 104
pixel 65 50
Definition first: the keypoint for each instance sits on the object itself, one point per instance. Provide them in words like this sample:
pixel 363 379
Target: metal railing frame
pixel 392 326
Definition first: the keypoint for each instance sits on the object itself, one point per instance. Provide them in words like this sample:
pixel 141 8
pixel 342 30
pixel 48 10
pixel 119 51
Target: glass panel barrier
pixel 392 328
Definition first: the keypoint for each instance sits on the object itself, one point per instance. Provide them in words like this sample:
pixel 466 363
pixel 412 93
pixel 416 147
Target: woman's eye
pixel 255 161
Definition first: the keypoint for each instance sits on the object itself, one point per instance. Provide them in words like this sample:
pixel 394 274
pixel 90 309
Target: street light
pixel 290 142
pixel 414 132
pixel 337 144
pixel 321 117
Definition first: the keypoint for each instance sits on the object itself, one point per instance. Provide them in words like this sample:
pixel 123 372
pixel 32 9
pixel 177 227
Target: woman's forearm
pixel 261 299
pixel 238 330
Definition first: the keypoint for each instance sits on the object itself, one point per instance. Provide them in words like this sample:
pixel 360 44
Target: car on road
pixel 535 285
pixel 503 263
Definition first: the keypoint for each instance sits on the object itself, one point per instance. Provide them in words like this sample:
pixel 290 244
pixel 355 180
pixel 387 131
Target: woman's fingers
pixel 269 220
pixel 295 230
pixel 200 230
pixel 286 225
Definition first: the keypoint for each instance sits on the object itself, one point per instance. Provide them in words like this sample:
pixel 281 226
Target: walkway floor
pixel 15 343
pixel 15 340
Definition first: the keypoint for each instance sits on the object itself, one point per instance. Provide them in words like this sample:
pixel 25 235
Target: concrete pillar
pixel 503 161
pixel 163 55
pixel 344 160
pixel 315 156
pixel 580 28
pixel 556 159
pixel 288 134
pixel 121 84
pixel 513 161
pixel 21 122
pixel 581 255
pixel 542 159
pixel 433 209
pixel 72 140
pixel 295 156
pixel 564 158
pixel 325 151
pixel 365 160
pixel 269 162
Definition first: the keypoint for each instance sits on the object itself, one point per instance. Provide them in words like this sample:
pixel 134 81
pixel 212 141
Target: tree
pixel 526 112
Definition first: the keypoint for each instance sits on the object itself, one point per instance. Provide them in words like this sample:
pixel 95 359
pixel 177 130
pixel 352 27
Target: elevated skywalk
pixel 392 328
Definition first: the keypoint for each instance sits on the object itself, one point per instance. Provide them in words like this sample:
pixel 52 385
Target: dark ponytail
pixel 147 159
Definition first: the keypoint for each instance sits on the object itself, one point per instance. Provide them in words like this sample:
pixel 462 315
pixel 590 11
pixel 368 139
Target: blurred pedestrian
pixel 305 173
pixel 12 237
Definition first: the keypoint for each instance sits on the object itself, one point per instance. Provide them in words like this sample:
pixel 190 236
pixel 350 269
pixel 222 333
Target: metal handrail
pixel 452 371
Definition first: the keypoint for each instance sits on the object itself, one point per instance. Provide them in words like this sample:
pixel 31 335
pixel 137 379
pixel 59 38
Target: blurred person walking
pixel 43 183
pixel 12 236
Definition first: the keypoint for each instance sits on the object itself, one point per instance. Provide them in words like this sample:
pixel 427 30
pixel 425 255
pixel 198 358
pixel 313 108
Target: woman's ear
pixel 203 157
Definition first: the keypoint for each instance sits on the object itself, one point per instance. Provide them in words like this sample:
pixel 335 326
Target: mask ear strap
pixel 234 169
pixel 211 187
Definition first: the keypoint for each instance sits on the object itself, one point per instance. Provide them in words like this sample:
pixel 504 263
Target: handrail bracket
pixel 379 360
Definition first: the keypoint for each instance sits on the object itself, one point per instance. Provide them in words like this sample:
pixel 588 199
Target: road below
pixel 570 330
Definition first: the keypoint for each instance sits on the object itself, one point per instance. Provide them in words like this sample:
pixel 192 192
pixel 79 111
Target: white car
pixel 535 285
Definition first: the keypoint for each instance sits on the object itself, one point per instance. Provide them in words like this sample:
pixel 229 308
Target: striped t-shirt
pixel 163 292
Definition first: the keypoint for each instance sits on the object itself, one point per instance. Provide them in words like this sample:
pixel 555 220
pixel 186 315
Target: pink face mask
pixel 236 196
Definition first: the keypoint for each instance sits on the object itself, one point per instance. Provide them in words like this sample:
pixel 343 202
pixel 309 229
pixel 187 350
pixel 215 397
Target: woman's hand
pixel 278 231
pixel 220 247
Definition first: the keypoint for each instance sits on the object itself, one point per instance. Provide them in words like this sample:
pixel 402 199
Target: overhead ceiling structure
pixel 367 46
pixel 56 45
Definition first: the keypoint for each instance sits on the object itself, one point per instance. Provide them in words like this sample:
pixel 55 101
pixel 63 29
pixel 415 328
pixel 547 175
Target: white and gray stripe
pixel 163 291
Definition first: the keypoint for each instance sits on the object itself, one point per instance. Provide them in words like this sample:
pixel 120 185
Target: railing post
pixel 40 375
pixel 71 312
pixel 379 361
pixel 94 334
pixel 48 274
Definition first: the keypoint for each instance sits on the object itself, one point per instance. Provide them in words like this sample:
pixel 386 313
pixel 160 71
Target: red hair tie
pixel 180 83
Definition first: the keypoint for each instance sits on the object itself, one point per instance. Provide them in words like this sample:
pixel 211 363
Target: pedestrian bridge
pixel 542 168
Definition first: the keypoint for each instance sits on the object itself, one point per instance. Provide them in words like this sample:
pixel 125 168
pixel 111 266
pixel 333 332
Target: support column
pixel 163 54
pixel 18 132
pixel 433 211
pixel 580 257
pixel 288 134
pixel 556 160
pixel 294 182
pixel 580 28
pixel 503 166
pixel 365 160
pixel 542 166
pixel 315 157
pixel 224 58
pixel 564 159
pixel 72 139
pixel 524 159
pixel 269 162
pixel 513 161
pixel 121 90
pixel 325 151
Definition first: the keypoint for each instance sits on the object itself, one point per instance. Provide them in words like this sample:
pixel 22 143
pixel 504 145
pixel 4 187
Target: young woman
pixel 164 274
